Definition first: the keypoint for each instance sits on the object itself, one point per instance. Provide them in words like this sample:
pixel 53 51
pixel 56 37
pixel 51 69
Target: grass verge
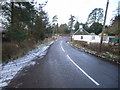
pixel 12 50
pixel 107 52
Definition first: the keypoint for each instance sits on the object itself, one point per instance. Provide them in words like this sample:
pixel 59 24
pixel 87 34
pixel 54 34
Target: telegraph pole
pixel 103 26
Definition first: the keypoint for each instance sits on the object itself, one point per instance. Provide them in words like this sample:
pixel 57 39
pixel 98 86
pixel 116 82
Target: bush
pixel 95 47
pixel 81 43
pixel 11 50
pixel 16 35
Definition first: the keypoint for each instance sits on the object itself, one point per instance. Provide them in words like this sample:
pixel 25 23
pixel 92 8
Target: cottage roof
pixel 81 31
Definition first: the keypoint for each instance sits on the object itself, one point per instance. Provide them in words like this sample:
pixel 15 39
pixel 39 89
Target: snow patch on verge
pixel 10 69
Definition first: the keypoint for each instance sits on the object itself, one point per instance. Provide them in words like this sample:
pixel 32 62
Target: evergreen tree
pixel 115 26
pixel 96 28
pixel 25 19
pixel 76 26
pixel 62 28
pixel 55 24
pixel 71 22
pixel 19 19
pixel 95 16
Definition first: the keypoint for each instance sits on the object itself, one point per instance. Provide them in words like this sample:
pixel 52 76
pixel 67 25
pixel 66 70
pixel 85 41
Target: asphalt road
pixel 66 67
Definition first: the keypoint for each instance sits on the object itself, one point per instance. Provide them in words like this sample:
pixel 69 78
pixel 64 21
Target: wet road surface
pixel 66 67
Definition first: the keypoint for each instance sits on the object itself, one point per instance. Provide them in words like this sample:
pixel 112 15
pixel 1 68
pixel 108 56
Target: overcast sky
pixel 79 8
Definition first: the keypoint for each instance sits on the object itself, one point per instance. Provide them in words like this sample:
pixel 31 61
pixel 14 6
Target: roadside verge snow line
pixel 95 82
pixel 10 69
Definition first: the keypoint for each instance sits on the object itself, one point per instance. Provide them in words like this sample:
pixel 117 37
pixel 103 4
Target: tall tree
pixel 18 14
pixel 114 29
pixel 19 18
pixel 40 25
pixel 55 24
pixel 95 16
pixel 71 22
pixel 96 28
pixel 76 26
pixel 25 19
pixel 54 19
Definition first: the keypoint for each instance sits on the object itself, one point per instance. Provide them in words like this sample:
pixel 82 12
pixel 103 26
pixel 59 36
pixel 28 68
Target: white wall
pixel 92 38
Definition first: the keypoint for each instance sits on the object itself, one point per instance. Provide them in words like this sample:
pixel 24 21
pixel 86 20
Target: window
pixel 81 37
pixel 105 38
pixel 93 38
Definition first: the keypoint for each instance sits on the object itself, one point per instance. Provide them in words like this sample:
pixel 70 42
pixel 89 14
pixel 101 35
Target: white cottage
pixel 82 35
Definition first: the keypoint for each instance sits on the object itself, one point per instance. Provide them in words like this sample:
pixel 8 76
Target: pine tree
pixel 19 19
pixel 71 22
pixel 95 16
pixel 76 26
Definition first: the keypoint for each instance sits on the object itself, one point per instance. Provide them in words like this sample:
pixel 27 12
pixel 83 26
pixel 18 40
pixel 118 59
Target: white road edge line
pixel 62 49
pixel 61 46
pixel 83 71
pixel 61 43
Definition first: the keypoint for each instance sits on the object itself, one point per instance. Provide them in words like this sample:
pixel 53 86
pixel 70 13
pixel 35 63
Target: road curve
pixel 66 67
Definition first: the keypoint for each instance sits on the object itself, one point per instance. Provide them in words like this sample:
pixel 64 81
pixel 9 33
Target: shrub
pixel 8 50
pixel 11 50
pixel 95 47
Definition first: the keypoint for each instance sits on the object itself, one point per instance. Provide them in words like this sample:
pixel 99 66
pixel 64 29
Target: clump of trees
pixel 114 29
pixel 26 24
pixel 93 24
pixel 67 29
pixel 63 29
pixel 24 20
pixel 96 28
pixel 94 21
pixel 95 16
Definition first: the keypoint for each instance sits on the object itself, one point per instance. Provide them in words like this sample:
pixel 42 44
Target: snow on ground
pixel 10 69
